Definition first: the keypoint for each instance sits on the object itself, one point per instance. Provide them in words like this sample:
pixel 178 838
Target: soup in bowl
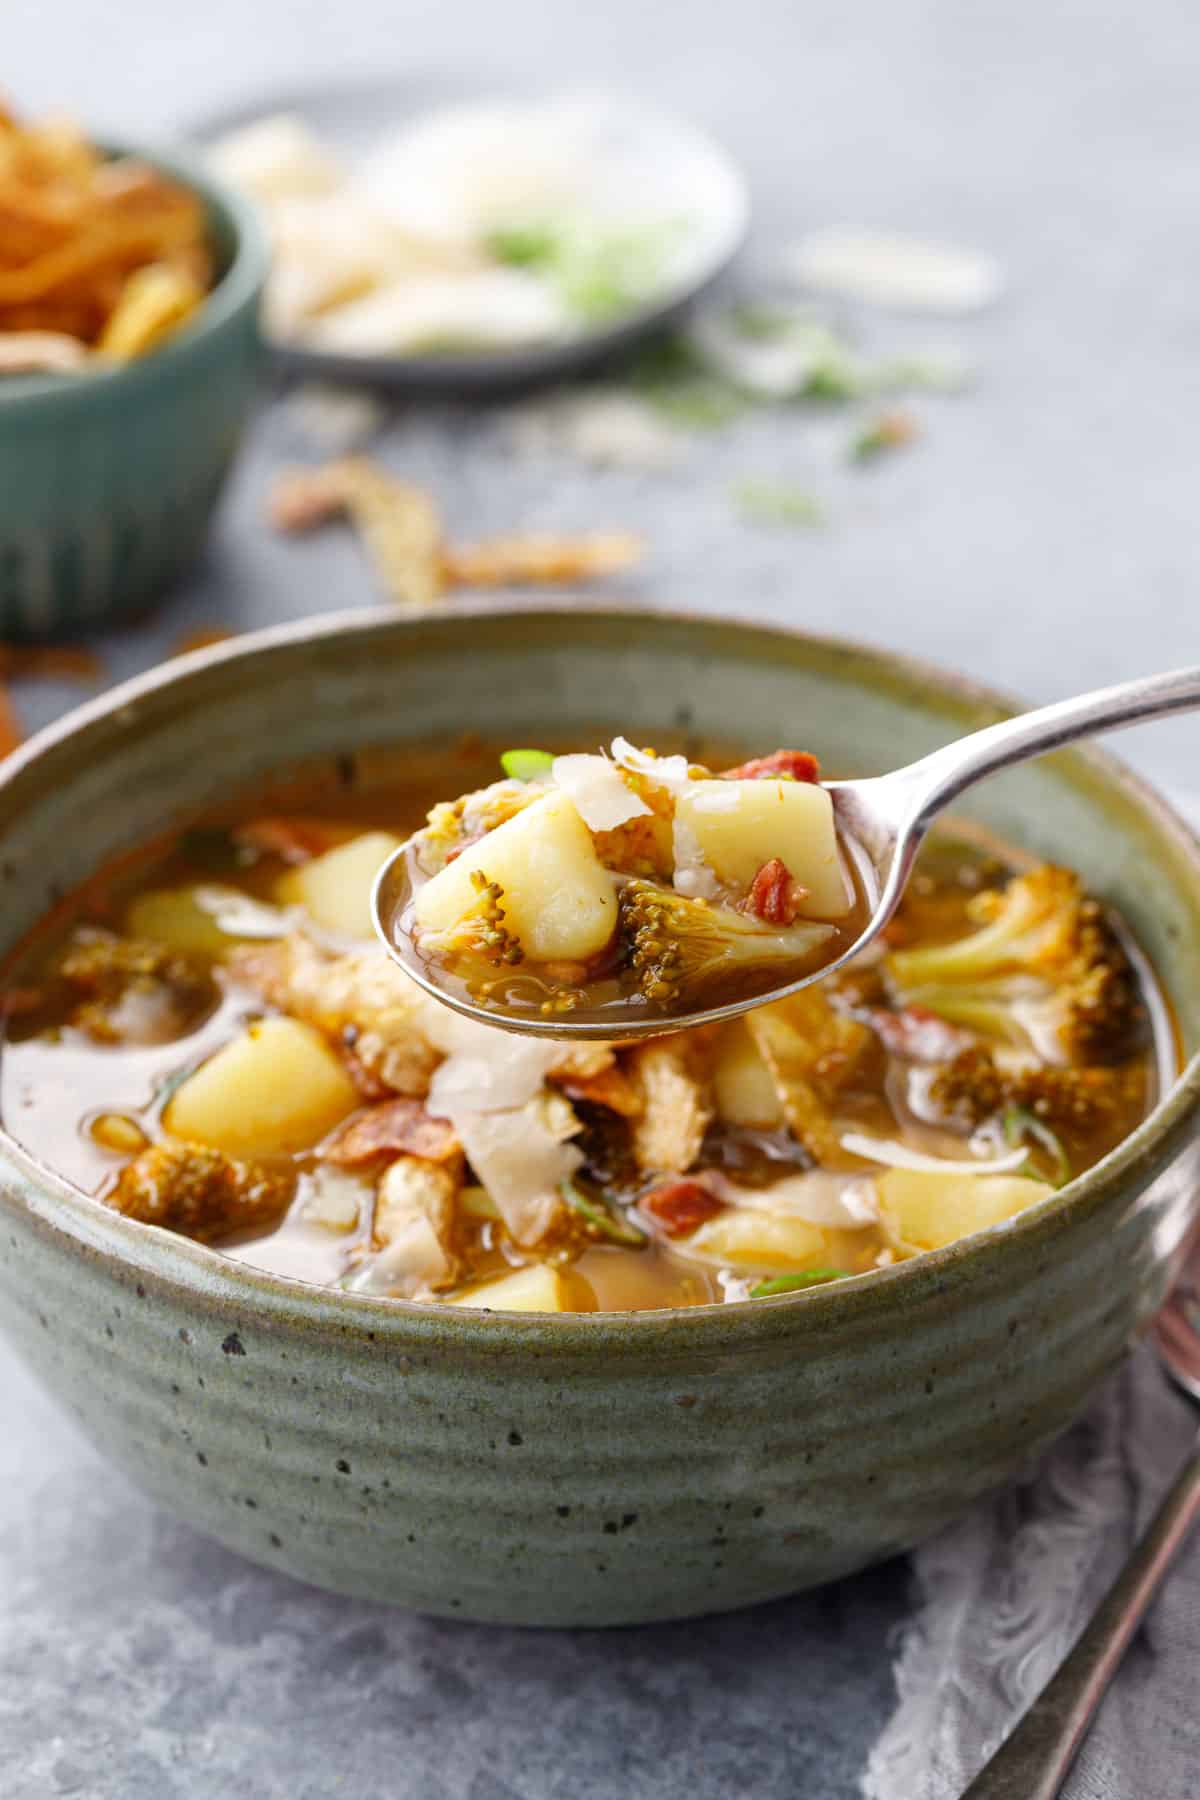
pixel 568 1333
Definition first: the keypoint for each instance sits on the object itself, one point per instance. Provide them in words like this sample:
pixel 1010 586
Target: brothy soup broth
pixel 207 1037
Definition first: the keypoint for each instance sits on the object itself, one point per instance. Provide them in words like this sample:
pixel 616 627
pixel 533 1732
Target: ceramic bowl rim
pixel 239 286
pixel 198 1269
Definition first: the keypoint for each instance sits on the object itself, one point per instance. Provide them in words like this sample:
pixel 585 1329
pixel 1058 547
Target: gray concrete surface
pixel 1041 535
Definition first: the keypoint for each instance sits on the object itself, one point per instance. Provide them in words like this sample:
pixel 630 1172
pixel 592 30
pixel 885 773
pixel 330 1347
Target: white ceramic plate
pixel 679 171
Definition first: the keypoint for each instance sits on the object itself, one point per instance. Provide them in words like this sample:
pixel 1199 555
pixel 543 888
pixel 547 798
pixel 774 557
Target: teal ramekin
pixel 108 480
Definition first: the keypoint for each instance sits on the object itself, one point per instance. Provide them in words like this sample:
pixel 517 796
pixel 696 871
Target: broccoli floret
pixel 200 1192
pixel 1081 1101
pixel 480 936
pixel 674 944
pixel 127 990
pixel 1044 969
pixel 1030 924
pixel 454 824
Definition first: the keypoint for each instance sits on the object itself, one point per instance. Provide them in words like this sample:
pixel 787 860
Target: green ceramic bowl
pixel 108 480
pixel 591 1469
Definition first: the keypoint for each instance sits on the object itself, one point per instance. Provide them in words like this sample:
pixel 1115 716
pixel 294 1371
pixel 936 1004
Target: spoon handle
pixel 1034 1760
pixel 938 779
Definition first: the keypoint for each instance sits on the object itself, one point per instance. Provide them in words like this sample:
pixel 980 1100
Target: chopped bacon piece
pixel 681 1207
pixel 799 764
pixel 611 1088
pixel 393 1128
pixel 774 895
pixel 295 839
pixel 916 1033
pixel 540 559
pixel 302 499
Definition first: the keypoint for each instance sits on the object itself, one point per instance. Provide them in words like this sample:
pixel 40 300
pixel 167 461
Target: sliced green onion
pixel 170 1085
pixel 787 1284
pixel 523 246
pixel 601 1218
pixel 1019 1124
pixel 526 765
pixel 777 503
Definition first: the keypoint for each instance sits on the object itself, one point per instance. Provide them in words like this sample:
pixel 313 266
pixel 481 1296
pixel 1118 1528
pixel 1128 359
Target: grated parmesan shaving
pixel 520 1160
pixel 670 772
pixel 595 789
pixel 899 1156
pixel 237 915
pixel 514 1132
pixel 820 1197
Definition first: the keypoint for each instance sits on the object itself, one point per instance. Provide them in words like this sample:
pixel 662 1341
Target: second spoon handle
pixel 1033 1762
pixel 940 777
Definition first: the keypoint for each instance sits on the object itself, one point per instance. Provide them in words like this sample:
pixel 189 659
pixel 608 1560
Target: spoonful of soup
pixel 624 894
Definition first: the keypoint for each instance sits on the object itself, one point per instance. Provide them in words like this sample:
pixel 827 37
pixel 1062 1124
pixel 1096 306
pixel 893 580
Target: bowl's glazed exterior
pixel 108 480
pixel 594 1469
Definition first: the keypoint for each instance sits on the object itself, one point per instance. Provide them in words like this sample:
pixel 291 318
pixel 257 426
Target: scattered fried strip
pixel 302 499
pixel 398 522
pixel 536 559
pixel 154 302
pixel 95 253
pixel 402 531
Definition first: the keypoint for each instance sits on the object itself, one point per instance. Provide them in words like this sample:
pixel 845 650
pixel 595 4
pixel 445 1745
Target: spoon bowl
pixel 882 821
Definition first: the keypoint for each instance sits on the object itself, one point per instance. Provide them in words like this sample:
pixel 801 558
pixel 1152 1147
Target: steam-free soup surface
pixel 208 1038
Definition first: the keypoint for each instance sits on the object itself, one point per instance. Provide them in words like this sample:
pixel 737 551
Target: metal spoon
pixel 881 820
pixel 1034 1761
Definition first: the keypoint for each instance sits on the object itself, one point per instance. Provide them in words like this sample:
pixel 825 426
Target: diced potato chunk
pixel 276 1089
pixel 538 1288
pixel 558 898
pixel 743 1086
pixel 744 1238
pixel 740 825
pixel 931 1210
pixel 335 889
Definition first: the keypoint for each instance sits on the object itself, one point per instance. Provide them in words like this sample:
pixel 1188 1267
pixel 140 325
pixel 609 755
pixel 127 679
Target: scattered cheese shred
pixel 884 269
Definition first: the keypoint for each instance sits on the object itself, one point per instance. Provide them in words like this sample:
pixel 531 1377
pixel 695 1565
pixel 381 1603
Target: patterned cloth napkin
pixel 1002 1596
